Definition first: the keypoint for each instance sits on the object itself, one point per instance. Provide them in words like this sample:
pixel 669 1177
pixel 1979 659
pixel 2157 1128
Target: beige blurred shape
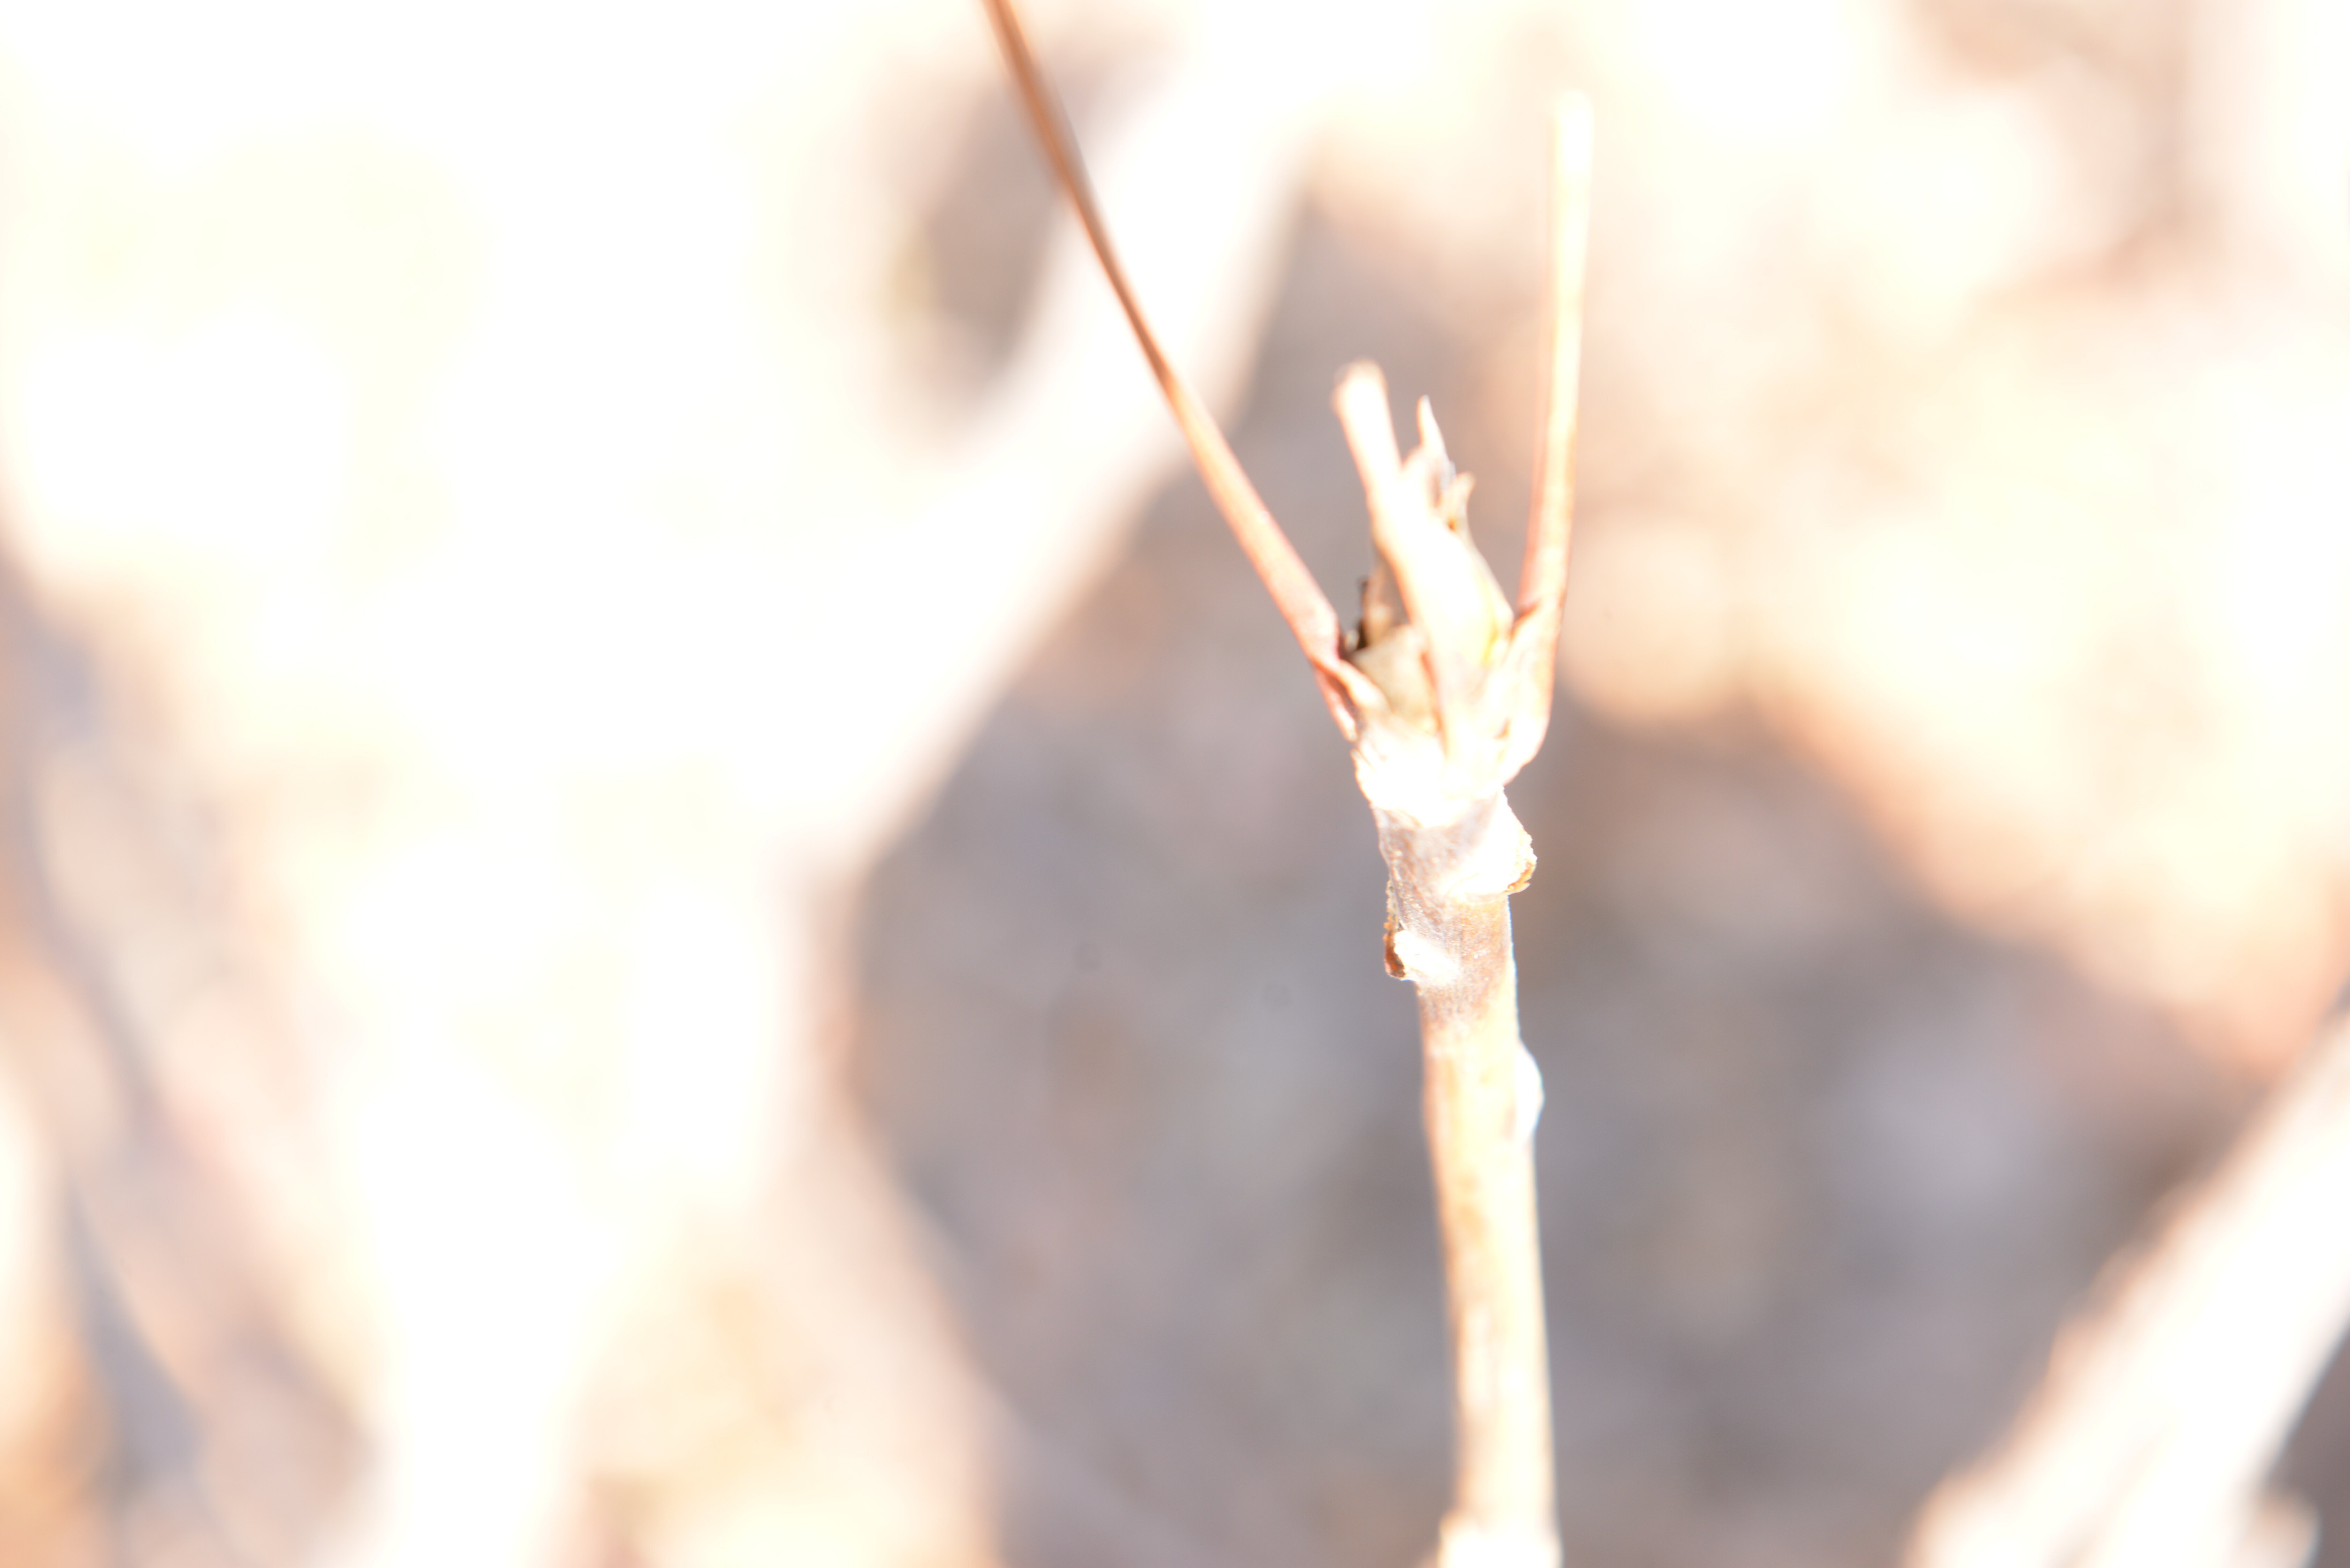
pixel 480 444
pixel 1653 639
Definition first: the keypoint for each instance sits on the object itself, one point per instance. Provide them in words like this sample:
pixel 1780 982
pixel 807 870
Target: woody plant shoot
pixel 1442 692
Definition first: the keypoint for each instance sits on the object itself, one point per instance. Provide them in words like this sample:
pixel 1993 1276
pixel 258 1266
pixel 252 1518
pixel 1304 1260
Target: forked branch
pixel 1444 693
pixel 1542 582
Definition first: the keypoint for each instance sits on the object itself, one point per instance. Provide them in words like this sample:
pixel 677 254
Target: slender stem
pixel 1543 582
pixel 2164 1405
pixel 1431 756
pixel 1448 933
pixel 1295 595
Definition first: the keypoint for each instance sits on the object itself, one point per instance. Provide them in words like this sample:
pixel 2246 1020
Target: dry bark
pixel 2149 1442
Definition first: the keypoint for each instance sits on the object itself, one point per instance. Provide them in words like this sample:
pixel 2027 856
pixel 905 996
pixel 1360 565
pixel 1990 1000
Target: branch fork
pixel 1442 692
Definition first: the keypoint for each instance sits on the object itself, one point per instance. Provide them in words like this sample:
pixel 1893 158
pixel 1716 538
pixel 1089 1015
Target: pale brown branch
pixel 1295 595
pixel 1543 580
pixel 1441 708
pixel 1449 889
pixel 2149 1442
pixel 1542 583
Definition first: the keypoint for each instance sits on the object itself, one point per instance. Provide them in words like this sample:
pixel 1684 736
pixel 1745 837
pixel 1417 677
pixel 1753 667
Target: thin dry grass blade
pixel 1542 585
pixel 1294 592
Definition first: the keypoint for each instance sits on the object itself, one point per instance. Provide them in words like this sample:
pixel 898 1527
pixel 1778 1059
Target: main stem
pixel 1454 854
pixel 1448 932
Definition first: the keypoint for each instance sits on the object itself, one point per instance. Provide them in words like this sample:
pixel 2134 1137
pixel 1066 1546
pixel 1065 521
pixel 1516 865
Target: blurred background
pixel 669 901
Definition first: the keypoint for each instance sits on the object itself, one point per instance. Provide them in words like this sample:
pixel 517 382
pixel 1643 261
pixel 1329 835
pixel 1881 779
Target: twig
pixel 2164 1405
pixel 1294 592
pixel 1542 583
pixel 1443 693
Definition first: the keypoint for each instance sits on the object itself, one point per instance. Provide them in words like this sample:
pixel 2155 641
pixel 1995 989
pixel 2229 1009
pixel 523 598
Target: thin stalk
pixel 1443 693
pixel 1542 582
pixel 1429 762
pixel 1296 594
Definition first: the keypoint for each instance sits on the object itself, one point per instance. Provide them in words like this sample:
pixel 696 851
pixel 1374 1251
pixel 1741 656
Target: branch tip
pixel 1542 585
pixel 1295 595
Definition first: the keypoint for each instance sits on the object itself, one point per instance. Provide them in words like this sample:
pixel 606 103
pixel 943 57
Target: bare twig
pixel 1435 638
pixel 1444 693
pixel 1294 592
pixel 1464 694
pixel 1542 583
pixel 2150 1443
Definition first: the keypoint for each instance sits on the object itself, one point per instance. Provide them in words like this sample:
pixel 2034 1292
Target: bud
pixel 1434 643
